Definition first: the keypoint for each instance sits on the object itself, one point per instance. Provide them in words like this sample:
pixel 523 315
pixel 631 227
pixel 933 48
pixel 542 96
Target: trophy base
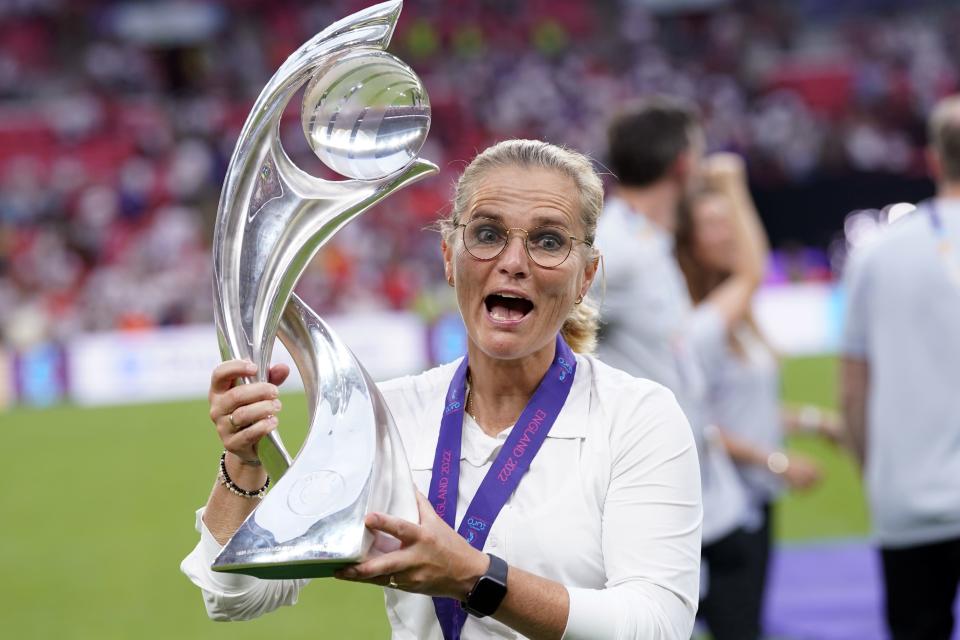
pixel 288 571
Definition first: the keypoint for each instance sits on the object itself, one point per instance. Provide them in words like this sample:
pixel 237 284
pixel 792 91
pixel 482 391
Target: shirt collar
pixel 638 223
pixel 572 422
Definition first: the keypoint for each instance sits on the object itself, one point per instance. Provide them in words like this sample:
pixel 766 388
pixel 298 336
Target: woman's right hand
pixel 724 170
pixel 244 413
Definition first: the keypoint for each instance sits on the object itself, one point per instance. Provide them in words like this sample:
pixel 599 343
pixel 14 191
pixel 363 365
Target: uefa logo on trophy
pixel 366 116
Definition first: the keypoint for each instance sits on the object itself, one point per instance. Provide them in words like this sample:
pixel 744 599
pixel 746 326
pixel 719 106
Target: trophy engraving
pixel 366 115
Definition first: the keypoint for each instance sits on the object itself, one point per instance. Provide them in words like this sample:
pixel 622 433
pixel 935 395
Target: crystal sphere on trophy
pixel 366 116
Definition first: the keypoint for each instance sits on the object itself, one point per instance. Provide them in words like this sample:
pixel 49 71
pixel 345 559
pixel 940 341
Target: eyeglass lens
pixel 547 246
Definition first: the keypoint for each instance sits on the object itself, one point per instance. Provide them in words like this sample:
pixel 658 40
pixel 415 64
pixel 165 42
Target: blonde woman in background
pixel 656 151
pixel 743 377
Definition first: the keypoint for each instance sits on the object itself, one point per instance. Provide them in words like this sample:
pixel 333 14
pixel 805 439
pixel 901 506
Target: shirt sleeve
pixel 651 527
pixel 233 596
pixel 854 338
pixel 707 337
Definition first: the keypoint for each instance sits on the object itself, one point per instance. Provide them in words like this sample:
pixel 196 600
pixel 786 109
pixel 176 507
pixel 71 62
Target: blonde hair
pixel 580 327
pixel 943 129
pixel 701 279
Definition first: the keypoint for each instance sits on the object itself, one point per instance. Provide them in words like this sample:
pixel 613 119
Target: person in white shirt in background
pixel 656 150
pixel 601 537
pixel 744 383
pixel 900 392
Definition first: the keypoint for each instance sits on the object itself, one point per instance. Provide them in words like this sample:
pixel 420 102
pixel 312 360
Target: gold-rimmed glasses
pixel 547 246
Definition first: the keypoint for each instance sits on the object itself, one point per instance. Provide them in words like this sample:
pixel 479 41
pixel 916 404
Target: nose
pixel 514 260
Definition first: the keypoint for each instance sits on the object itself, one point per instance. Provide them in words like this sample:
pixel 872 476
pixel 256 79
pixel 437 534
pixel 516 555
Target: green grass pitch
pixel 97 512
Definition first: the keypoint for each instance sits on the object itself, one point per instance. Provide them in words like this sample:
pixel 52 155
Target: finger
pixel 226 372
pixel 425 509
pixel 246 394
pixel 224 404
pixel 246 438
pixel 381 580
pixel 279 373
pixel 248 414
pixel 227 430
pixel 403 530
pixel 344 574
pixel 384 566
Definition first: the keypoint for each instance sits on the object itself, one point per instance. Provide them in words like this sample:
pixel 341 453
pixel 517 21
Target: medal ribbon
pixel 505 473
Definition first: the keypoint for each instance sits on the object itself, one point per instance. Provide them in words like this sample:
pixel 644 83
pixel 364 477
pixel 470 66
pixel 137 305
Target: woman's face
pixel 714 241
pixel 512 307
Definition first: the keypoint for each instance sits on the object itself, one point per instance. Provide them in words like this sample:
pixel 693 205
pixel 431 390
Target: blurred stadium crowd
pixel 117 121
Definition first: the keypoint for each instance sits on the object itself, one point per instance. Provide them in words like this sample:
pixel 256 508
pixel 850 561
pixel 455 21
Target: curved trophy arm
pixel 255 189
pixel 290 231
pixel 372 27
pixel 272 219
pixel 312 522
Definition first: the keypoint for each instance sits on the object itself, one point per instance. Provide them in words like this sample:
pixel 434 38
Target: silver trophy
pixel 366 116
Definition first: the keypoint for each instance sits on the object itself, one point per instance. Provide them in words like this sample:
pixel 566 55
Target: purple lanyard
pixel 935 220
pixel 511 464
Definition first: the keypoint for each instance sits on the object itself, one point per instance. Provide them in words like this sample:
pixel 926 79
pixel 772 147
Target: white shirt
pixel 648 332
pixel 743 397
pixel 903 318
pixel 610 508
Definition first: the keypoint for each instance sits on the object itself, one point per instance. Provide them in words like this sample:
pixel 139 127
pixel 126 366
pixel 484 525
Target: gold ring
pixel 393 583
pixel 232 423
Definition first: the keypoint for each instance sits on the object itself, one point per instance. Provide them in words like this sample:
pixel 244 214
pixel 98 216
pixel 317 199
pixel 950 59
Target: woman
pixel 744 388
pixel 600 538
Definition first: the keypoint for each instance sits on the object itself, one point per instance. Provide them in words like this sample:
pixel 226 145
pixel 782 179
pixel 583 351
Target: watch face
pixel 486 596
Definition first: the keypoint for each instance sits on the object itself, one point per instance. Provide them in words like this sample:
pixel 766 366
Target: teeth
pixel 510 295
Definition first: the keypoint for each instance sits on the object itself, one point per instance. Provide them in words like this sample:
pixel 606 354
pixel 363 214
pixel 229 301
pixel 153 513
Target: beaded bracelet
pixel 232 486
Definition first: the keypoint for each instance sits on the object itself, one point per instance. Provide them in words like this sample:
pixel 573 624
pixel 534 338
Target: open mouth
pixel 505 306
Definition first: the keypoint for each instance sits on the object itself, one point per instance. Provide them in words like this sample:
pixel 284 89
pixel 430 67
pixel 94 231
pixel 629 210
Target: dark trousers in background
pixel 921 585
pixel 736 580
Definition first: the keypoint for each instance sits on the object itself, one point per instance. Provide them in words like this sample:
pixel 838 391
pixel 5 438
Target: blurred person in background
pixel 601 537
pixel 656 150
pixel 743 378
pixel 900 370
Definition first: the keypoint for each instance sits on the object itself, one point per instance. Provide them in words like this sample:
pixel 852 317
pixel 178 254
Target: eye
pixel 550 240
pixel 487 235
pixel 486 232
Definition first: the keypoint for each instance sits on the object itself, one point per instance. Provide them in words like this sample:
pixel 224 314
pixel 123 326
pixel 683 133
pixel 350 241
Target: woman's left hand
pixel 433 559
pixel 801 473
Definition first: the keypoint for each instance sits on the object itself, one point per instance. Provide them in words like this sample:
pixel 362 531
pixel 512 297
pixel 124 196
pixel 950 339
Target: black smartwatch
pixel 489 591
